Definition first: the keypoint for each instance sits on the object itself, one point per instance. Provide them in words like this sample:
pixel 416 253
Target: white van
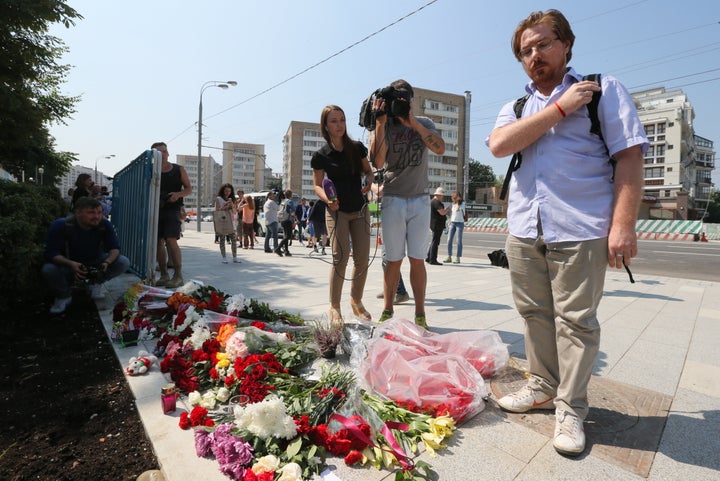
pixel 260 198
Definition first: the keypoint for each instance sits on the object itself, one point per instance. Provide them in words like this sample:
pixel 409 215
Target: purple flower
pixel 230 449
pixel 233 471
pixel 203 443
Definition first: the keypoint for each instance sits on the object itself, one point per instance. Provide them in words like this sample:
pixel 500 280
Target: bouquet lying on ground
pixel 257 413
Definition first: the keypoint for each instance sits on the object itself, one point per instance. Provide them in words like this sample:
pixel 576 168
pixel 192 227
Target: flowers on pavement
pixel 239 363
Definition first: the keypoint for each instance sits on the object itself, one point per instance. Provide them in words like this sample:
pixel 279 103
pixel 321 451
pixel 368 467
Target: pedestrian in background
pixel 319 228
pixel 571 213
pixel 83 186
pixel 247 217
pixel 225 203
pixel 438 218
pixel 286 217
pixel 458 217
pixel 270 208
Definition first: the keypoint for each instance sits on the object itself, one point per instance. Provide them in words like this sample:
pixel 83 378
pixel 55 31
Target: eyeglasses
pixel 542 46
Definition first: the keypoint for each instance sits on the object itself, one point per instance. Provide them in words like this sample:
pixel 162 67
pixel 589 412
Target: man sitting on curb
pixel 83 247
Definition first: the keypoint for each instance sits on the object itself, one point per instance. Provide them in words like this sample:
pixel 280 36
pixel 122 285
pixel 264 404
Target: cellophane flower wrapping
pixel 482 348
pixel 431 373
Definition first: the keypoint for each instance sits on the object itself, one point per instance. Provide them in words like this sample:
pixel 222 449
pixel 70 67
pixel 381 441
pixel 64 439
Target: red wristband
pixel 562 112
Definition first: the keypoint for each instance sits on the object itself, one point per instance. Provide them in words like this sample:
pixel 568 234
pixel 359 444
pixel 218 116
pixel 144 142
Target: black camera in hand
pixel 93 274
pixel 397 104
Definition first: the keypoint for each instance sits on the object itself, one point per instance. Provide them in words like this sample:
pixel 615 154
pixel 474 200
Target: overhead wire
pixel 311 67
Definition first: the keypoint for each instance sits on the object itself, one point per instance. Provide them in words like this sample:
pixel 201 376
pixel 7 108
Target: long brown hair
pixel 348 143
pixel 250 202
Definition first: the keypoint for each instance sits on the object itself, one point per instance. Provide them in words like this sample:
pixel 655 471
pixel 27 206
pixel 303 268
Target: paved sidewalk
pixel 655 400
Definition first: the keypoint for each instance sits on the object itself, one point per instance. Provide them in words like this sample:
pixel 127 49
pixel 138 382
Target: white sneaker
pixel 97 292
pixel 224 261
pixel 569 434
pixel 60 304
pixel 236 260
pixel 525 400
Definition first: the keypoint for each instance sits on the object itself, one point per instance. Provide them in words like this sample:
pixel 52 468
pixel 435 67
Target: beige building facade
pixel 301 141
pixel 678 165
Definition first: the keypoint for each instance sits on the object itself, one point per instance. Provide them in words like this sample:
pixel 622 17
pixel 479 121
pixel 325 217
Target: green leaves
pixel 30 82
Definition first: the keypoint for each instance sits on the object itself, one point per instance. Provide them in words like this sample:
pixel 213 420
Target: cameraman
pixel 400 145
pixel 81 247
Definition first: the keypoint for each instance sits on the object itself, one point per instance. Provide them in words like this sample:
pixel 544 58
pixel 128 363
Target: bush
pixel 26 211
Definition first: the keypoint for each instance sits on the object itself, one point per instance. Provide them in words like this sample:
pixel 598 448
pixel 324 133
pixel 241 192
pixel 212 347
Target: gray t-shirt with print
pixel 406 163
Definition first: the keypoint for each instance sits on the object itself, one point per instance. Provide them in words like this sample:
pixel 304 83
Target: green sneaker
pixel 456 261
pixel 385 316
pixel 448 259
pixel 421 321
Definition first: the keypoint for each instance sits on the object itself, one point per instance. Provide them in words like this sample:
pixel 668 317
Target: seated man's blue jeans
pixel 60 278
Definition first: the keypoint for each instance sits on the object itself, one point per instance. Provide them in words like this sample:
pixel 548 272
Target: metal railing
pixel 135 207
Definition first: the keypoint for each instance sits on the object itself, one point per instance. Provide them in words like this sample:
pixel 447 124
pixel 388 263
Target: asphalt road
pixel 684 260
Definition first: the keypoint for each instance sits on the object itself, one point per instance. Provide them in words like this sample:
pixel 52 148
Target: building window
pixel 661 128
pixel 654 172
pixel 649 130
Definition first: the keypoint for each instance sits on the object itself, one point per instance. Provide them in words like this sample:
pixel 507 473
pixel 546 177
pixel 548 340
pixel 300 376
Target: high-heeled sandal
pixel 360 312
pixel 335 316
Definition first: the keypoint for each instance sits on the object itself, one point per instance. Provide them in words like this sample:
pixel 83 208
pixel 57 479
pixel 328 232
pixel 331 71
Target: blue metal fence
pixel 135 205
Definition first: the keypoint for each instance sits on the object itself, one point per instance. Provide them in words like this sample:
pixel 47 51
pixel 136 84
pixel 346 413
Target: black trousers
pixel 434 244
pixel 287 235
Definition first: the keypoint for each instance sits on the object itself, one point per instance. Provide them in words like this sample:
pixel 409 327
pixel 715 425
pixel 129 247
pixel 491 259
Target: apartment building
pixel 450 114
pixel 301 141
pixel 244 167
pixel 678 165
pixel 211 171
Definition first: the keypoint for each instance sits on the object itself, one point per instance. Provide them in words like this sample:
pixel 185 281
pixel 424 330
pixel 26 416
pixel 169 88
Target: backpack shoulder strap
pixel 593 106
pixel 516 160
pixel 519 105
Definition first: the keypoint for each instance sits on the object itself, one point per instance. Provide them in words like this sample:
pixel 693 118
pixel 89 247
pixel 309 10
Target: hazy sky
pixel 139 65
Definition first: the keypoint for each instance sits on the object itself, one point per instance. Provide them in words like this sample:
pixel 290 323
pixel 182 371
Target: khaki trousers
pixel 344 227
pixel 557 288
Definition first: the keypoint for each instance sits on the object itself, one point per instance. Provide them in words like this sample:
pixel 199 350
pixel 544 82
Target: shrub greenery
pixel 26 211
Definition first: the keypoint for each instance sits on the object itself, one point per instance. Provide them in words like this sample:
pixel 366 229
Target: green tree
pixel 713 211
pixel 275 183
pixel 30 80
pixel 480 175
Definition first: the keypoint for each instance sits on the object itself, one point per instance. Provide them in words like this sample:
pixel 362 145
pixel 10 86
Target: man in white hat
pixel 438 216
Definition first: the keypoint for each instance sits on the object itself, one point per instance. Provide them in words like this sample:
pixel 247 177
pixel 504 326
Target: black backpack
pixel 595 128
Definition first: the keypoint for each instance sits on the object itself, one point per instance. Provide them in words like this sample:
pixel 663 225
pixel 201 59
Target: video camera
pixel 397 104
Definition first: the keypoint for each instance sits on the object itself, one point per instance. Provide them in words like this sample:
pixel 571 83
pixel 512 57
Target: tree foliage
pixel 480 175
pixel 713 210
pixel 30 80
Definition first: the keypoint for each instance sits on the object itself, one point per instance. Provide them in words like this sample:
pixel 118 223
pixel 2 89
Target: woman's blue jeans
pixel 459 227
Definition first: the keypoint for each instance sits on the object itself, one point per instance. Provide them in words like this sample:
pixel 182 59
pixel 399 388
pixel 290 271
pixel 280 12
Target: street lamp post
pixel 41 171
pixel 110 156
pixel 206 85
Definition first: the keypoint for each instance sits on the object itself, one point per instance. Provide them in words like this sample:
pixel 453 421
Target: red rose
pixel 353 457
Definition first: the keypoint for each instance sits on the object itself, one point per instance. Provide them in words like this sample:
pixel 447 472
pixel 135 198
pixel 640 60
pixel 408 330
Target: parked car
pixel 190 218
pixel 207 218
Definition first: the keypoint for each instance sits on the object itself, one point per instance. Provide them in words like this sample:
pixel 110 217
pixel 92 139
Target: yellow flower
pixel 223 360
pixel 442 426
